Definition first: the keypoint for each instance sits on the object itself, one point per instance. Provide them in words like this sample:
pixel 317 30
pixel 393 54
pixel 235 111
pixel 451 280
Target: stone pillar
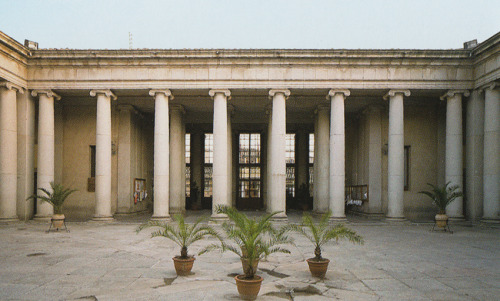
pixel 161 153
pixel 302 156
pixel 374 125
pixel 268 158
pixel 8 151
pixel 177 169
pixel 322 158
pixel 454 148
pixel 491 172
pixel 125 159
pixel 337 153
pixel 395 181
pixel 25 154
pixel 103 155
pixel 316 165
pixel 46 148
pixel 230 110
pixel 474 134
pixel 220 164
pixel 278 152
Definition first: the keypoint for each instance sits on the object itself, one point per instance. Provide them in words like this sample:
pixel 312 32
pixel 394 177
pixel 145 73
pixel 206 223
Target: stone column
pixel 302 152
pixel 374 126
pixel 177 169
pixel 491 175
pixel 278 152
pixel 454 148
pixel 8 151
pixel 230 110
pixel 220 164
pixel 316 165
pixel 126 159
pixel 337 153
pixel 395 181
pixel 322 158
pixel 103 155
pixel 268 158
pixel 474 134
pixel 161 153
pixel 197 162
pixel 46 148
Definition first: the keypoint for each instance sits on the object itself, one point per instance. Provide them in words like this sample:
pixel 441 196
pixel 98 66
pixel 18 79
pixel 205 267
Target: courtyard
pixel 109 261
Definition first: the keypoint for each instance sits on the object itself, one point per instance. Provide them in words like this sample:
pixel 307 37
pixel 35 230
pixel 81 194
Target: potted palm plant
pixel 56 197
pixel 184 235
pixel 321 233
pixel 441 197
pixel 253 239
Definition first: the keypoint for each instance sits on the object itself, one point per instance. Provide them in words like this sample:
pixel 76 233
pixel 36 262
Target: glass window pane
pixel 207 182
pixel 290 180
pixel 311 148
pixel 290 148
pixel 311 180
pixel 244 189
pixel 188 148
pixel 254 189
pixel 209 148
pixel 188 181
pixel 244 148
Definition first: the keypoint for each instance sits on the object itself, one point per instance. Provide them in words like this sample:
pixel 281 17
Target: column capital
pixel 167 93
pixel 48 93
pixel 321 107
pixel 179 108
pixel 273 92
pixel 492 86
pixel 11 86
pixel 452 93
pixel 226 92
pixel 392 93
pixel 107 93
pixel 332 93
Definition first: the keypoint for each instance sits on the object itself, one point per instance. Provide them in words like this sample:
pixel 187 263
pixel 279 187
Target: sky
pixel 313 24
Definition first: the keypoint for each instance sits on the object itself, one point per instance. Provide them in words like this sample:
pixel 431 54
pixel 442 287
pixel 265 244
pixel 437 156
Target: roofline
pixel 14 45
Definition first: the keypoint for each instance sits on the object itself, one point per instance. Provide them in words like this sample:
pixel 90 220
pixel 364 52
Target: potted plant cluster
pixel 184 235
pixel 252 240
pixel 56 197
pixel 441 197
pixel 319 234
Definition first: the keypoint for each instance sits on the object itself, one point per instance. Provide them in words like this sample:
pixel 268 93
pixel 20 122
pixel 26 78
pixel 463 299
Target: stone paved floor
pixel 111 262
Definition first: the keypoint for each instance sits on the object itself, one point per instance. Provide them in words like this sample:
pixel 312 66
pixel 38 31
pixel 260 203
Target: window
pixel 188 164
pixel 208 165
pixel 92 161
pixel 311 164
pixel 407 167
pixel 290 164
pixel 249 165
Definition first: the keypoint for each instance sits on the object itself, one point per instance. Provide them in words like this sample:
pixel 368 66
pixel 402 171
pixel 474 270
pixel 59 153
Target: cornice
pixel 14 45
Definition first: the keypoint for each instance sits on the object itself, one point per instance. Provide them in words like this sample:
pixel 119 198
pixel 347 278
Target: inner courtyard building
pixel 273 130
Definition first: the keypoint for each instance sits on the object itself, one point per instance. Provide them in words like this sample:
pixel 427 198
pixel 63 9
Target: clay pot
pixel 246 266
pixel 183 266
pixel 441 220
pixel 57 221
pixel 248 288
pixel 318 268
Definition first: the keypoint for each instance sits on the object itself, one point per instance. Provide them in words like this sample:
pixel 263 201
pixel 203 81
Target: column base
pixel 279 219
pixel 102 219
pixel 165 218
pixel 456 219
pixel 490 220
pixel 9 219
pixel 216 219
pixel 41 218
pixel 338 219
pixel 393 219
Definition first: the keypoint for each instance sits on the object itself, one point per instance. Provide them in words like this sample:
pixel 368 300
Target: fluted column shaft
pixel 220 164
pixel 454 148
pixel 491 170
pixel 395 185
pixel 8 151
pixel 278 152
pixel 322 175
pixel 337 153
pixel 177 168
pixel 161 154
pixel 103 155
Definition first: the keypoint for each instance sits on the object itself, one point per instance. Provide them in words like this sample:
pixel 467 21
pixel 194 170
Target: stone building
pixel 261 129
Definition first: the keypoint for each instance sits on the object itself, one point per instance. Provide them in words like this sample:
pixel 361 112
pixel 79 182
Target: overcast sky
pixel 83 24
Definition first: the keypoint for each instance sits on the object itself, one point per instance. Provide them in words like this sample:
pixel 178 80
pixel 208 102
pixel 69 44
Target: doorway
pixel 249 172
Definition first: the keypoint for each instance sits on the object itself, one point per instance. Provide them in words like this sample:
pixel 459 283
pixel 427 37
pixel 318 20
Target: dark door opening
pixel 249 172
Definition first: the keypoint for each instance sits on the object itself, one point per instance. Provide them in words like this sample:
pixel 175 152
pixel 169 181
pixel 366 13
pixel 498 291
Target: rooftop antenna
pixel 129 40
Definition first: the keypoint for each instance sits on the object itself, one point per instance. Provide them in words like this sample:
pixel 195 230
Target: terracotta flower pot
pixel 57 221
pixel 248 288
pixel 183 266
pixel 318 268
pixel 441 220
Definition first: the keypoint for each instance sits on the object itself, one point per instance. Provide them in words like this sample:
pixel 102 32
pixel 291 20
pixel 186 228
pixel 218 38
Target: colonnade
pixel 329 167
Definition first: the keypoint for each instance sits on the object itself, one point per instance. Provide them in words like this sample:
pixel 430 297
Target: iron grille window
pixel 188 164
pixel 249 165
pixel 311 164
pixel 290 164
pixel 208 165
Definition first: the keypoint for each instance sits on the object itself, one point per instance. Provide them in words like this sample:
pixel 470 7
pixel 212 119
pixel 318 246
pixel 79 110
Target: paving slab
pixel 110 261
